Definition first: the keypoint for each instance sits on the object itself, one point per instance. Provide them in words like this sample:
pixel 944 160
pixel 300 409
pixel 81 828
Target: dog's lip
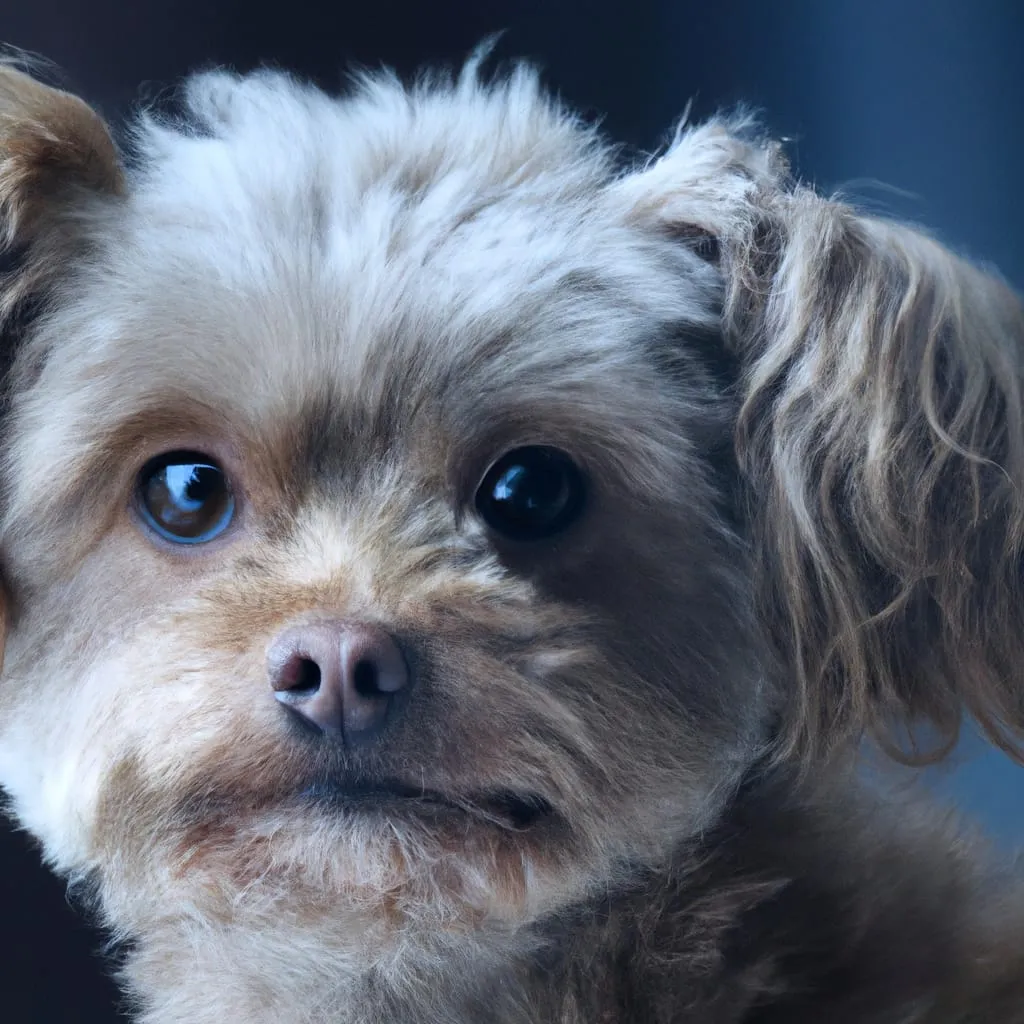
pixel 365 791
pixel 504 807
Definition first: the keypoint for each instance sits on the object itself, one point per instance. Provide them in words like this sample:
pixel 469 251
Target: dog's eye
pixel 185 497
pixel 531 493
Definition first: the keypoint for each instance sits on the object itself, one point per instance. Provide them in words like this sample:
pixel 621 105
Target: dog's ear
pixel 56 154
pixel 56 158
pixel 881 441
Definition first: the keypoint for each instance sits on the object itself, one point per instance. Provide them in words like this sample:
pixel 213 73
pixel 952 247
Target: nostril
pixel 366 679
pixel 300 676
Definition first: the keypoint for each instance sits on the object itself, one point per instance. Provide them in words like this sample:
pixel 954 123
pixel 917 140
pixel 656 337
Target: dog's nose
pixel 345 679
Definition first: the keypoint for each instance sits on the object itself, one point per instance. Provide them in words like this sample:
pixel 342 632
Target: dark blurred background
pixel 914 106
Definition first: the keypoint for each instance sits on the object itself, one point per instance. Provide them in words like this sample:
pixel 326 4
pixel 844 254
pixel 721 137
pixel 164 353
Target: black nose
pixel 345 679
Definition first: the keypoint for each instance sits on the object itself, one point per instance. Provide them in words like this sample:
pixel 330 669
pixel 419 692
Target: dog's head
pixel 408 510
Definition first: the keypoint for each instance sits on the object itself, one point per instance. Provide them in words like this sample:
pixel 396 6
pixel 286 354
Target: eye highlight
pixel 531 493
pixel 185 497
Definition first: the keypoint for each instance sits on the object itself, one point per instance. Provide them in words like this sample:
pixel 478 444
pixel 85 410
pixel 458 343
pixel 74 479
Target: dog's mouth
pixel 504 808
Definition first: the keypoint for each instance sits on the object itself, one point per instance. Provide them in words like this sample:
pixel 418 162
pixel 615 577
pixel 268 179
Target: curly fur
pixel 801 431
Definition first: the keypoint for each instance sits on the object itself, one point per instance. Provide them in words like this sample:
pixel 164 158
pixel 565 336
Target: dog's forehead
pixel 378 221
pixel 329 239
pixel 307 265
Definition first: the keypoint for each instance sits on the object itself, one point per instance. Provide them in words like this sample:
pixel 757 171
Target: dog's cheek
pixel 75 711
pixel 669 581
pixel 54 752
pixel 99 671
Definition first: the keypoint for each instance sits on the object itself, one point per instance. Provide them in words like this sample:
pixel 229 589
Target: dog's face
pixel 377 546
pixel 370 547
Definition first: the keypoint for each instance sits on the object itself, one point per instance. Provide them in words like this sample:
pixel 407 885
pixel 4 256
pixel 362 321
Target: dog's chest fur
pixel 749 929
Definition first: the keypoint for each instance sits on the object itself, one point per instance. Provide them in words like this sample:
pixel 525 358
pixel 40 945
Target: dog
pixel 449 564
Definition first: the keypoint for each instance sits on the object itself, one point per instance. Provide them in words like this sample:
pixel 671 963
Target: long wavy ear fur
pixel 881 438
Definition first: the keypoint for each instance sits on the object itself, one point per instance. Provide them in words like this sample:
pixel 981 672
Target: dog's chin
pixel 376 847
pixel 395 799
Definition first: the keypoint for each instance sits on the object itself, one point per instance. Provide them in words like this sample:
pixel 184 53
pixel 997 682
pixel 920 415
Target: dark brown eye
pixel 185 497
pixel 531 493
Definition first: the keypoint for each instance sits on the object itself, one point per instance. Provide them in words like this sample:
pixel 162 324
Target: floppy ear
pixel 881 441
pixel 56 157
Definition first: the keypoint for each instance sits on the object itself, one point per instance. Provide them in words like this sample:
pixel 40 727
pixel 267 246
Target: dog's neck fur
pixel 743 926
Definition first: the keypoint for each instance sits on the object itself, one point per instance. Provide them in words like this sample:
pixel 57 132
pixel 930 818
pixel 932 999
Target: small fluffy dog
pixel 446 565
